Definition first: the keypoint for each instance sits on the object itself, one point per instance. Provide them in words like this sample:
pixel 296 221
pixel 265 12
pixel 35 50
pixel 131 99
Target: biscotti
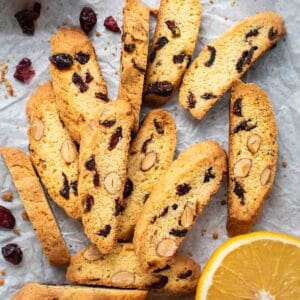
pixel 151 153
pixel 53 153
pixel 174 41
pixel 176 201
pixel 103 161
pixel 77 80
pixel 227 59
pixel 253 155
pixel 36 291
pixel 36 205
pixel 135 42
pixel 121 268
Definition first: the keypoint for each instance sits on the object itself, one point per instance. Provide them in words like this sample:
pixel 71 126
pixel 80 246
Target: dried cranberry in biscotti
pixel 128 188
pixel 160 88
pixel 12 253
pixel 183 189
pixel 82 58
pixel 237 107
pixel 24 71
pixel 208 175
pixel 191 100
pixel 61 61
pixel 212 57
pixel 7 220
pixel 111 24
pixel 88 19
pixel 115 138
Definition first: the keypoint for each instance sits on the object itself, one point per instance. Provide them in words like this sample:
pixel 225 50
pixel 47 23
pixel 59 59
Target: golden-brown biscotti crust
pixel 135 42
pixel 36 205
pixel 253 153
pixel 36 291
pixel 53 153
pixel 121 269
pixel 176 201
pixel 150 155
pixel 76 108
pixel 174 41
pixel 226 59
pixel 103 161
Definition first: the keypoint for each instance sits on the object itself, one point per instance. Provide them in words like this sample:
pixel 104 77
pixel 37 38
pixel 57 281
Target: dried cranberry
pixel 145 144
pixel 61 61
pixel 178 59
pixel 74 186
pixel 160 88
pixel 160 283
pixel 175 206
pixel 185 275
pixel 272 34
pixel 183 189
pixel 163 213
pixel 96 179
pixel 129 47
pixel 90 164
pixel 212 57
pixel 119 207
pixel 146 197
pixel 108 123
pixel 161 42
pixel 88 19
pixel 244 125
pixel 128 188
pixel 7 220
pixel 102 96
pixel 115 138
pixel 152 56
pixel 88 77
pixel 76 79
pixel 111 24
pixel 24 71
pixel 178 232
pixel 245 58
pixel 82 58
pixel 251 33
pixel 240 192
pixel 26 18
pixel 173 27
pixel 191 100
pixel 159 128
pixel 105 231
pixel 208 175
pixel 237 107
pixel 88 203
pixel 208 96
pixel 65 190
pixel 12 253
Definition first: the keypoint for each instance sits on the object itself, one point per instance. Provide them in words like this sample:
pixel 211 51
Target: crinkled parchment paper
pixel 277 73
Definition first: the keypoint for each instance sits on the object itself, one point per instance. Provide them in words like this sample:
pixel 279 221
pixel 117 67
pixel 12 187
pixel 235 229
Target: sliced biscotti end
pixel 176 201
pixel 226 59
pixel 173 45
pixel 36 205
pixel 53 153
pixel 150 155
pixel 77 79
pixel 103 165
pixel 34 291
pixel 120 268
pixel 253 153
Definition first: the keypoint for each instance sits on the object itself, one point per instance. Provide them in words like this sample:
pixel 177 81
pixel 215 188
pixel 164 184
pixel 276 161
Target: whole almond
pixel 112 183
pixel 166 248
pixel 68 151
pixel 149 161
pixel 187 217
pixel 253 143
pixel 265 176
pixel 92 253
pixel 123 278
pixel 242 167
pixel 37 129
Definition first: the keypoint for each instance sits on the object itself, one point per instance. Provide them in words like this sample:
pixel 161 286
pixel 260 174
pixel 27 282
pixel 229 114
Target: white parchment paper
pixel 277 73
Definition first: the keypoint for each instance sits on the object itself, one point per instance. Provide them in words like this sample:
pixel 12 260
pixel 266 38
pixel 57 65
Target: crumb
pixel 211 1
pixel 203 232
pixel 5 97
pixel 223 202
pixel 65 22
pixel 225 18
pixel 190 254
pixel 9 87
pixel 97 34
pixel 105 48
pixel 113 54
pixel 215 235
pixel 232 3
pixel 8 196
pixel 1 281
pixel 284 164
pixel 2 272
pixel 116 73
pixel 25 216
pixel 17 231
pixel 3 72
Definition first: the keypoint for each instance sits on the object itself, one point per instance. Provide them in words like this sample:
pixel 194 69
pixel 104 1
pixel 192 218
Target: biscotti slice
pixel 77 80
pixel 53 153
pixel 36 291
pixel 121 268
pixel 227 59
pixel 252 155
pixel 135 42
pixel 176 201
pixel 36 205
pixel 150 155
pixel 103 161
pixel 174 41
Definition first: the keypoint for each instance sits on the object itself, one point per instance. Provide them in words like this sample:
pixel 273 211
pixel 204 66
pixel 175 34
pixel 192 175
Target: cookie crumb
pixel 284 164
pixel 190 254
pixel 97 34
pixel 17 231
pixel 223 202
pixel 2 272
pixel 211 1
pixel 232 3
pixel 8 196
pixel 215 235
pixel 25 216
pixel 203 232
pixel 1 281
pixel 9 87
pixel 65 22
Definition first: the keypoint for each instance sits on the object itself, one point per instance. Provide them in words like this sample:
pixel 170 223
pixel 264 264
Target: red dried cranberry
pixel 237 107
pixel 178 232
pixel 251 33
pixel 152 56
pixel 208 175
pixel 90 164
pixel 26 18
pixel 61 61
pixel 101 96
pixel 88 203
pixel 74 186
pixel 272 34
pixel 119 207
pixel 88 77
pixel 76 79
pixel 111 24
pixel 244 126
pixel 173 27
pixel 128 188
pixel 115 138
pixel 240 192
pixel 65 190
pixel 7 220
pixel 212 57
pixel 24 71
pixel 88 19
pixel 105 231
pixel 82 58
pixel 160 88
pixel 183 189
pixel 185 275
pixel 108 123
pixel 178 59
pixel 12 253
pixel 208 96
pixel 159 128
pixel 96 179
pixel 129 47
pixel 161 42
pixel 191 100
pixel 245 58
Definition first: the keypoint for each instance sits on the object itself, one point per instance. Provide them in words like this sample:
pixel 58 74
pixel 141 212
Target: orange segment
pixel 256 266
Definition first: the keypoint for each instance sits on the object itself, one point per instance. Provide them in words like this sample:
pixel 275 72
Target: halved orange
pixel 255 266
